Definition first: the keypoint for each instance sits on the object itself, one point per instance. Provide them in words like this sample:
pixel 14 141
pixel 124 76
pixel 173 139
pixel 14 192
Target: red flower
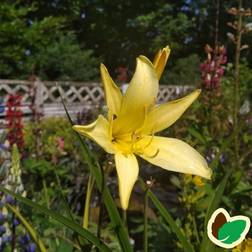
pixel 14 121
pixel 212 68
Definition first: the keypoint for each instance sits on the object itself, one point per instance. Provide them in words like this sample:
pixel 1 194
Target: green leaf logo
pixel 226 231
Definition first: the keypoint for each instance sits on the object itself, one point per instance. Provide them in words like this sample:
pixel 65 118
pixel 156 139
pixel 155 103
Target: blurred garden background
pixel 50 51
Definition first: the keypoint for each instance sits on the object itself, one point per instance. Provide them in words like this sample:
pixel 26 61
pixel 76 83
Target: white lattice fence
pixel 77 95
pixel 73 92
pixel 169 92
pixel 15 86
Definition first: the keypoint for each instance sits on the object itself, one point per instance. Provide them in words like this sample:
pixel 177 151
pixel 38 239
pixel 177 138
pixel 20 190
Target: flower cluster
pixel 14 121
pixel 6 222
pixel 11 175
pixel 26 244
pixel 213 67
pixel 9 223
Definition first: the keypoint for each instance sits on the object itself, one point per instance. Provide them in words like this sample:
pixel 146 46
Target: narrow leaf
pixel 63 220
pixel 29 228
pixel 168 218
pixel 206 244
pixel 109 202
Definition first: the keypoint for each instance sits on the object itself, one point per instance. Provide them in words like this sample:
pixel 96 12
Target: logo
pixel 225 231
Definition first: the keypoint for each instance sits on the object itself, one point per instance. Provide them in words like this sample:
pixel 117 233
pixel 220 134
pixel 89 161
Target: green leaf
pixel 206 244
pixel 109 202
pixel 64 246
pixel 63 220
pixel 231 231
pixel 168 218
pixel 65 204
pixel 30 229
pixel 197 135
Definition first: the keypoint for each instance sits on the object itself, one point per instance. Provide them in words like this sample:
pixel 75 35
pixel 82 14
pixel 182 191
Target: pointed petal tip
pixel 103 67
pixel 127 172
pixel 124 205
pixel 194 94
pixel 209 174
pixel 81 128
pixel 205 172
pixel 75 127
pixel 144 59
pixel 167 49
pixel 198 91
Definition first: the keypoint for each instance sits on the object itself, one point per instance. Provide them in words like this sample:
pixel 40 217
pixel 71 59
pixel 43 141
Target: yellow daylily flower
pixel 132 121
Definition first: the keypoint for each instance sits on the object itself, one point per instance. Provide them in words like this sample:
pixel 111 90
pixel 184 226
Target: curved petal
pixel 160 60
pixel 174 155
pixel 164 115
pixel 98 131
pixel 139 97
pixel 127 171
pixel 113 94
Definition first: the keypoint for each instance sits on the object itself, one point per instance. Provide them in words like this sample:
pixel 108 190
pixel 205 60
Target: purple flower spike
pixel 2 230
pixel 16 222
pixel 2 218
pixel 23 240
pixel 9 199
pixel 1 204
pixel 31 247
pixel 6 239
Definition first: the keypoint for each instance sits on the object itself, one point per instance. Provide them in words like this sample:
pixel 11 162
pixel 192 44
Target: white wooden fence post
pixel 39 99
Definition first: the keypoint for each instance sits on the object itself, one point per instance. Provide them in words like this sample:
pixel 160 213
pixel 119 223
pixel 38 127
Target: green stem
pixel 87 201
pixel 99 225
pixel 46 193
pixel 237 84
pixel 196 232
pixel 125 221
pixel 13 242
pixel 168 218
pixel 124 217
pixel 29 228
pixel 146 221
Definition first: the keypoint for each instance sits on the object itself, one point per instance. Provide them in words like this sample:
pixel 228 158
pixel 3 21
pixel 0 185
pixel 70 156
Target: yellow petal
pixel 164 115
pixel 98 131
pixel 113 94
pixel 139 97
pixel 127 171
pixel 160 60
pixel 174 155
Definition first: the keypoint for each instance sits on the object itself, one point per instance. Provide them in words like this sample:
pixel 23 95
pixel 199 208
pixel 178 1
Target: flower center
pixel 133 143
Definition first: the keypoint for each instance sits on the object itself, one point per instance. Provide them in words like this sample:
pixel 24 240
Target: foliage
pixel 65 60
pixel 21 36
pixel 163 27
pixel 115 33
pixel 184 72
pixel 39 45
pixel 55 137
